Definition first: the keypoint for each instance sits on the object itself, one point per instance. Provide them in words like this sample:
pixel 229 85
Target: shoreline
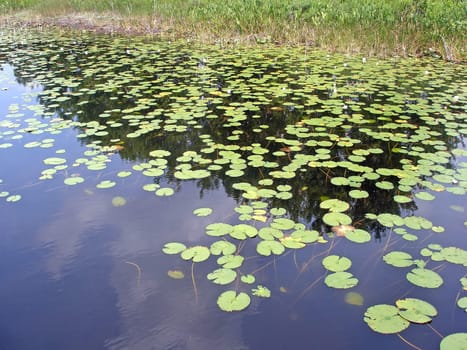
pixel 113 23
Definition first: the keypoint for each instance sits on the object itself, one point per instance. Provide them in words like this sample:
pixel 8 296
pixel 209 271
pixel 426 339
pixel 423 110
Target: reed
pixel 377 27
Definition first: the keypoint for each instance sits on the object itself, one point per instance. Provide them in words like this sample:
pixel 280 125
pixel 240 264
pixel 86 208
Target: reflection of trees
pixel 84 80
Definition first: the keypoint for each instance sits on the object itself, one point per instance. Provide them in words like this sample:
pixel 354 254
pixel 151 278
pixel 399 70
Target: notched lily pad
pixel 385 319
pixel 416 310
pixel 196 253
pixel 231 301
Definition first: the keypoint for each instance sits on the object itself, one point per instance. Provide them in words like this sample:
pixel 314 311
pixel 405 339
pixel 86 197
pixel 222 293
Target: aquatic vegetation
pixel 316 151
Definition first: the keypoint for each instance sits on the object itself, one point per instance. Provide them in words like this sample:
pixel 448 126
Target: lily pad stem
pixel 408 343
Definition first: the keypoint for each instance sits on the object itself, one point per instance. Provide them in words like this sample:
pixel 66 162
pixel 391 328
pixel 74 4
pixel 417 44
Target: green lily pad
pixel 218 229
pixel 223 247
pixel 292 243
pixel 54 161
pixel 222 276
pixel 231 301
pixel 243 231
pixel 359 194
pixel 426 196
pixel 106 184
pixel 173 248
pixel 261 291
pixel 358 236
pixel 398 259
pixel 334 205
pixel 267 248
pixel 336 263
pixel 196 253
pixel 230 261
pixel 416 310
pixel 248 279
pixel 424 278
pixel 385 319
pixel 305 236
pixel 336 219
pixel 462 303
pixel 202 211
pixel 164 192
pixel 270 234
pixel 283 224
pixel 455 341
pixel 341 280
pixel 13 198
pixel 74 180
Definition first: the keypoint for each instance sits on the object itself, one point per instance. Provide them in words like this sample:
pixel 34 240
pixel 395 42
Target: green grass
pixel 367 26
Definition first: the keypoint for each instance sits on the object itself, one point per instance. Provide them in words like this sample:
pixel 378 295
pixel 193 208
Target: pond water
pixel 141 181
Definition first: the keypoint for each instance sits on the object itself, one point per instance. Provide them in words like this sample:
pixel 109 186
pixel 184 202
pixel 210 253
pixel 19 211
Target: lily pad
pixel 173 248
pixel 425 278
pixel 336 263
pixel 416 310
pixel 334 205
pixel 248 279
pixel 341 280
pixel 223 247
pixel 176 274
pixel 398 259
pixel 385 319
pixel 196 253
pixel 231 301
pixel 231 261
pixel 267 248
pixel 455 341
pixel 358 236
pixel 202 211
pixel 261 291
pixel 336 219
pixel 222 276
pixel 462 303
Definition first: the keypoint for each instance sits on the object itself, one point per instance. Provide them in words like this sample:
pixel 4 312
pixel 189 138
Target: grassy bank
pixel 375 27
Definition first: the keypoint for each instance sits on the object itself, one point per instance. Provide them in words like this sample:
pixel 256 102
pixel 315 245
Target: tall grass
pixel 372 26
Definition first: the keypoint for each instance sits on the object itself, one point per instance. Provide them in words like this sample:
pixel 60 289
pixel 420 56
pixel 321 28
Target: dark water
pixel 77 272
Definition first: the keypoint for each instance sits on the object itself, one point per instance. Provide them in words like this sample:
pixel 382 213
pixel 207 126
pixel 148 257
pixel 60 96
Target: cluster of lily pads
pixel 308 145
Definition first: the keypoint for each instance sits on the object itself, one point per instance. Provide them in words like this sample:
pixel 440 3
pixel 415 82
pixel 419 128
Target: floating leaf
pixel 261 291
pixel 54 161
pixel 336 219
pixel 196 253
pixel 358 236
pixel 173 248
pixel 242 231
pixel 358 194
pixel 106 184
pixel 248 279
pixel 398 259
pixel 175 274
pixel 334 205
pixel 425 196
pixel 385 319
pixel 267 248
pixel 336 263
pixel 462 303
pixel 74 180
pixel 230 261
pixel 341 280
pixel 416 310
pixel 305 236
pixel 455 341
pixel 425 278
pixel 218 229
pixel 222 276
pixel 223 247
pixel 13 198
pixel 202 211
pixel 231 301
pixel 164 192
